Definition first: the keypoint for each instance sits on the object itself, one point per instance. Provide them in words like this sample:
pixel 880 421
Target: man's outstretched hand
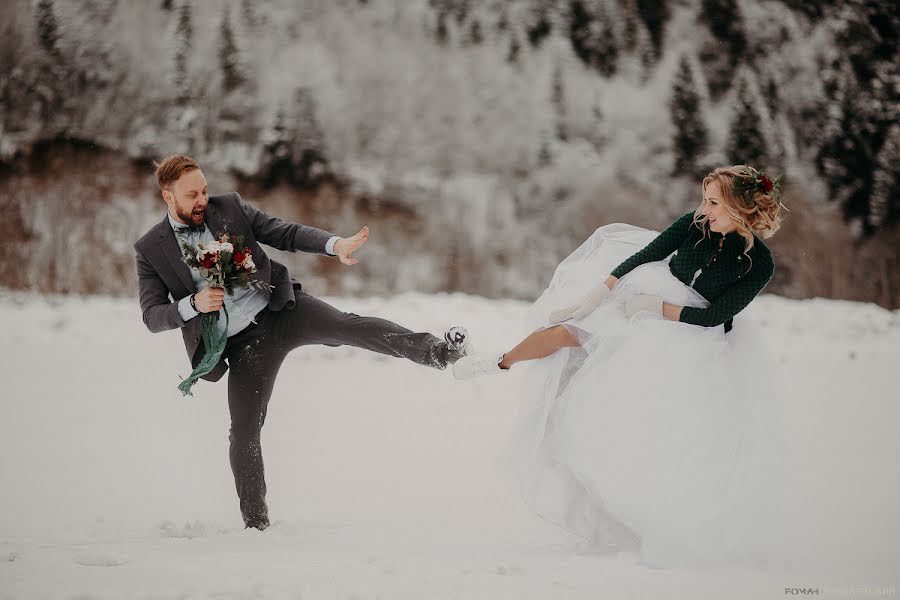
pixel 345 247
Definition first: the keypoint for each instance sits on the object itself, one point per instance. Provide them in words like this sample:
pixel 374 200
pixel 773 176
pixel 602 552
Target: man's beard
pixel 190 217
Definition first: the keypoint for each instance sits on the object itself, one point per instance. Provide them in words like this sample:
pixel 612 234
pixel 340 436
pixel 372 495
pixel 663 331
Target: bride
pixel 651 423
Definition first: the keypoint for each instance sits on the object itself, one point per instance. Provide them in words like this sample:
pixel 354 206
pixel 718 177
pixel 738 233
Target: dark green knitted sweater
pixel 724 275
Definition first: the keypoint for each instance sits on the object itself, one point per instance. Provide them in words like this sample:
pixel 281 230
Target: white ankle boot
pixel 474 365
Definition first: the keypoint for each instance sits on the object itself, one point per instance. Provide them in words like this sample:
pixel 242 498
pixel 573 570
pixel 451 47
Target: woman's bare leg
pixel 539 344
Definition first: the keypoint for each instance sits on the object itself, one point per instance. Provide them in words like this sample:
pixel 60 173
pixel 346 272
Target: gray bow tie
pixel 190 228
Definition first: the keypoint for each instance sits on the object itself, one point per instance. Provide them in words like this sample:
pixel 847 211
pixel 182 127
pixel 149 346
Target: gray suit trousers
pixel 255 355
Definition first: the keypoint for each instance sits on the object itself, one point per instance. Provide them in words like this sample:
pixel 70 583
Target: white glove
pixel 643 303
pixel 589 302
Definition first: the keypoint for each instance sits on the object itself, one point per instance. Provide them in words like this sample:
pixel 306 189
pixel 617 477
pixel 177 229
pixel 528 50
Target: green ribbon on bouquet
pixel 215 346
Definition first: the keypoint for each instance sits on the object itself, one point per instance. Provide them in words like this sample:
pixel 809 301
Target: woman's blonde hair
pixel 753 208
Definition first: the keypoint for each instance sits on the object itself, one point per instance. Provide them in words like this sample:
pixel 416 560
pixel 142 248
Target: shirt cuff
pixel 185 309
pixel 329 245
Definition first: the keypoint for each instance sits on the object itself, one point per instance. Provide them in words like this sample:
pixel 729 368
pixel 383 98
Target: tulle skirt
pixel 657 437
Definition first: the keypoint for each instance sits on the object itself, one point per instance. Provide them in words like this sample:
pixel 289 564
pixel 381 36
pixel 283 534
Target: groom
pixel 264 325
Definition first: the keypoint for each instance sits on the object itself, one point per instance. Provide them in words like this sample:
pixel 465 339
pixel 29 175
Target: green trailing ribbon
pixel 215 346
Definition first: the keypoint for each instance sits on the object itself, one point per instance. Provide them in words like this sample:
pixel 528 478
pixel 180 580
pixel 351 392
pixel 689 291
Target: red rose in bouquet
pixel 208 261
pixel 240 256
pixel 244 261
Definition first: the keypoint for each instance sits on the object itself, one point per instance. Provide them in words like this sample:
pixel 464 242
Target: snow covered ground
pixel 385 479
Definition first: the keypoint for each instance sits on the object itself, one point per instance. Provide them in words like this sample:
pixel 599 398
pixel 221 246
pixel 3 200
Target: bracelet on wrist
pixel 193 303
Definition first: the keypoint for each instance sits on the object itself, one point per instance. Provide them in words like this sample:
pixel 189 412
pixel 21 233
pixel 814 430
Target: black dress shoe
pixel 457 339
pixel 259 522
pixel 456 344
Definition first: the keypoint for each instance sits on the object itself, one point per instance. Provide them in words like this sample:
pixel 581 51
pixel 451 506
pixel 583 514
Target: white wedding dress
pixel 657 437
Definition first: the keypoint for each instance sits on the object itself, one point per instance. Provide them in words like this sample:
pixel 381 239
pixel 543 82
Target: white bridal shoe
pixel 474 365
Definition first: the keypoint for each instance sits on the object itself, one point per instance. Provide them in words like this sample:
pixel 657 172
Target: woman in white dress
pixel 650 423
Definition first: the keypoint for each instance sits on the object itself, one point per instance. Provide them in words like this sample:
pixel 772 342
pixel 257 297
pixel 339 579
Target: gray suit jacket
pixel 163 279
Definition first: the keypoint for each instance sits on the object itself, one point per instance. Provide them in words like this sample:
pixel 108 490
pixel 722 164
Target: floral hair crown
pixel 757 181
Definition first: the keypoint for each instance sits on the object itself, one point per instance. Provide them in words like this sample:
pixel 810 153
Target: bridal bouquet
pixel 224 264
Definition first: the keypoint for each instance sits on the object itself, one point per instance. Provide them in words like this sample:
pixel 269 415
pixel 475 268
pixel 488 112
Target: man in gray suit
pixel 264 325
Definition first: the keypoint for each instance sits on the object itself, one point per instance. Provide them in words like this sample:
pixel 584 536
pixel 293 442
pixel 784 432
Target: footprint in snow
pixel 189 531
pixel 100 558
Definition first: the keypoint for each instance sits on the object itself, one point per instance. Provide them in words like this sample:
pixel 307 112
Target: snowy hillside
pixel 491 137
pixel 386 480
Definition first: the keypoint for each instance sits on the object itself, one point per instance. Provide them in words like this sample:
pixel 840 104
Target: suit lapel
pixel 214 221
pixel 172 251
